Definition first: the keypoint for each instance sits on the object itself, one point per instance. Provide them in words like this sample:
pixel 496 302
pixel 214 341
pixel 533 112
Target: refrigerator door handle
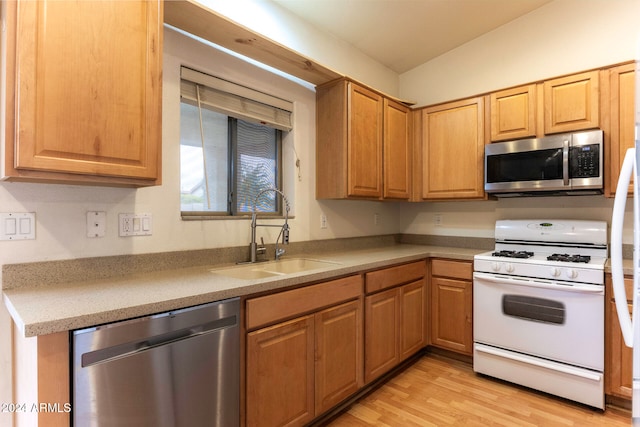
pixel 617 221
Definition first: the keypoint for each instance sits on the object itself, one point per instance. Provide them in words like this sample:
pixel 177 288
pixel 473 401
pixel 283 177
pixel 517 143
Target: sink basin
pixel 272 268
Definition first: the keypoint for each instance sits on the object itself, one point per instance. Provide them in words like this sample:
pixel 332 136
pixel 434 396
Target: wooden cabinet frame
pixel 363 143
pixel 618 106
pixel 450 145
pixel 618 357
pixel 452 297
pixel 317 336
pixel 88 127
pixel 395 316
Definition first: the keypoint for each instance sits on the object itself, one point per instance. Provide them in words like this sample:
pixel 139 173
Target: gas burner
pixel 569 258
pixel 513 254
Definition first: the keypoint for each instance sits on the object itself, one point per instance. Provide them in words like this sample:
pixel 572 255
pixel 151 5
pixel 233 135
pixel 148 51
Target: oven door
pixel 552 320
pixel 527 165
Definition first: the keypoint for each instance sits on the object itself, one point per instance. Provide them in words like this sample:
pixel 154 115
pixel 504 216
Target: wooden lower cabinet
pixel 299 368
pixel 451 306
pixel 338 363
pixel 280 374
pixel 618 357
pixel 382 314
pixel 395 317
pixel 413 314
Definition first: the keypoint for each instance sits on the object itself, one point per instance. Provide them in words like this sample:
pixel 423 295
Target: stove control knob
pixel 495 266
pixel 555 272
pixel 572 273
pixel 509 267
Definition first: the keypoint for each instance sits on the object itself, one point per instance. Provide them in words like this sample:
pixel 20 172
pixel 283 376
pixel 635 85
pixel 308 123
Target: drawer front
pixel 268 309
pixel 394 276
pixel 449 268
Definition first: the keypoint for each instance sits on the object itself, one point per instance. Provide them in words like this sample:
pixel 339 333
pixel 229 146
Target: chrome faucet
pixel 284 228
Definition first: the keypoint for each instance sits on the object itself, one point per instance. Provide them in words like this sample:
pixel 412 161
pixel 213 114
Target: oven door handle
pixel 568 287
pixel 539 362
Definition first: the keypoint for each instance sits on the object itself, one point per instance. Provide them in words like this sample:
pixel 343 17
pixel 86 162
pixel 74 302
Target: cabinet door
pixel 397 150
pixel 382 315
pixel 279 369
pixel 513 113
pixel 618 357
pixel 621 98
pixel 338 366
pixel 365 143
pixel 451 315
pixel 572 103
pixel 453 150
pixel 88 88
pixel 412 320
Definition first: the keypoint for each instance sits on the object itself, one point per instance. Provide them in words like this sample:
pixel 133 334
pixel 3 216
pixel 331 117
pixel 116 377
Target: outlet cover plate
pixel 130 224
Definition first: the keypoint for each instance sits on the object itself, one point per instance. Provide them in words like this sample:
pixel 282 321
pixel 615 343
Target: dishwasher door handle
pixel 131 348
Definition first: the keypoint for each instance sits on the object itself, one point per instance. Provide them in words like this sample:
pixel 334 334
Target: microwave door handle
pixel 565 162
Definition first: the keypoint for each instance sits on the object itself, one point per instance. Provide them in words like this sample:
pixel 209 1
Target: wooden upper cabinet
pixel 397 150
pixel 572 103
pixel 513 113
pixel 453 150
pixel 363 143
pixel 86 78
pixel 619 92
pixel 565 104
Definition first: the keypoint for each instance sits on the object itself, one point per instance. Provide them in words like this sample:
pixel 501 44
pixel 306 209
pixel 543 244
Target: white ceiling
pixel 403 34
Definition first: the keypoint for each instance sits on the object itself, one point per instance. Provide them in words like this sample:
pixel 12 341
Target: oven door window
pixel 538 165
pixel 534 309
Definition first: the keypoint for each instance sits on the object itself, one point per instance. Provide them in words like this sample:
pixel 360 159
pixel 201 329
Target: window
pixel 230 147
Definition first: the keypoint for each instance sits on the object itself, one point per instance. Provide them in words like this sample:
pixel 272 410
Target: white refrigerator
pixel 629 324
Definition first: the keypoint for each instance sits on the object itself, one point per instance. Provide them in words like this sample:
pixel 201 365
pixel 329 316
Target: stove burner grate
pixel 569 258
pixel 513 254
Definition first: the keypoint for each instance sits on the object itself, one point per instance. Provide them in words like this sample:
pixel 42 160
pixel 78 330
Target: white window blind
pixel 235 100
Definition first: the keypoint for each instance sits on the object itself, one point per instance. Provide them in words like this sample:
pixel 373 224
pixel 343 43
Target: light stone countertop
pixel 42 309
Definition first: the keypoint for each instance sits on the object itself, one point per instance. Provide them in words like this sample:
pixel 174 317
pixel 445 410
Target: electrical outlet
pixel 134 224
pixel 323 221
pixel 376 219
pixel 437 220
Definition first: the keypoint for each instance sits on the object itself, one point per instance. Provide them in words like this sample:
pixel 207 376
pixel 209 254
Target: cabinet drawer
pixel 449 268
pixel 272 308
pixel 393 276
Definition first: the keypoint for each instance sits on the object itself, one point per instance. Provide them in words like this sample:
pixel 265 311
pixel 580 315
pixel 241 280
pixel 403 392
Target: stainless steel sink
pixel 273 268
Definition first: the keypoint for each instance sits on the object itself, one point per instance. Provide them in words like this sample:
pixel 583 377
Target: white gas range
pixel 539 307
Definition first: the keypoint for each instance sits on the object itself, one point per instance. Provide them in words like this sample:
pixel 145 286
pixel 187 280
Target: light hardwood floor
pixel 438 391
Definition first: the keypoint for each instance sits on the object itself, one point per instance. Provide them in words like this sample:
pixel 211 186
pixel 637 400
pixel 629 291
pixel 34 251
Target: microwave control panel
pixel 584 161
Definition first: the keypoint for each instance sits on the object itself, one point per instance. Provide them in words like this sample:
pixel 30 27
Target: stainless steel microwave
pixel 557 164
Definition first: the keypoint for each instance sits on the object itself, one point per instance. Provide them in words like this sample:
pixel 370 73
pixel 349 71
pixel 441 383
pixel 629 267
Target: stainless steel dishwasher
pixel 175 369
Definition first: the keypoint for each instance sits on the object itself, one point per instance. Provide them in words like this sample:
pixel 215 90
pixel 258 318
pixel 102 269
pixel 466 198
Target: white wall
pixel 561 37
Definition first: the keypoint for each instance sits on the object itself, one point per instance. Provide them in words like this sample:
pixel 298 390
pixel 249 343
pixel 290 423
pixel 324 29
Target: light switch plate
pixel 18 226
